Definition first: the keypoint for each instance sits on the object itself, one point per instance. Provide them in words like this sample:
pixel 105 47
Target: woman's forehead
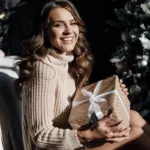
pixel 60 14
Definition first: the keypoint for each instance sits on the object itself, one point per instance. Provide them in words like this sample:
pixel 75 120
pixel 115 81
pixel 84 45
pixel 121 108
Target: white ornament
pixel 145 42
pixel 142 63
pixel 145 8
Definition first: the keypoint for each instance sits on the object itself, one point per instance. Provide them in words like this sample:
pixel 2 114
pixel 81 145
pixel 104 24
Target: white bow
pixel 94 107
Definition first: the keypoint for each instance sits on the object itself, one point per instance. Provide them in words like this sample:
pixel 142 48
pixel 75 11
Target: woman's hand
pixel 123 86
pixel 114 133
pixel 102 130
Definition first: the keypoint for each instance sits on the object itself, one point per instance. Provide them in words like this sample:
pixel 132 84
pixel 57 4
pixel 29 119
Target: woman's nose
pixel 67 30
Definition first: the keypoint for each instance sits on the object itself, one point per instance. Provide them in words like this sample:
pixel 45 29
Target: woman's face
pixel 64 31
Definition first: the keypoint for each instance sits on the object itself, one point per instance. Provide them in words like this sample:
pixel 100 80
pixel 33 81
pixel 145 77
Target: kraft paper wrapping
pixel 111 95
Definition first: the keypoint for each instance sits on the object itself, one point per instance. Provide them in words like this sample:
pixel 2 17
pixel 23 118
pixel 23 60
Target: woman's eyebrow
pixel 62 20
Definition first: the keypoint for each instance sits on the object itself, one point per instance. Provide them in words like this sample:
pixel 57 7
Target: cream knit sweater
pixel 46 106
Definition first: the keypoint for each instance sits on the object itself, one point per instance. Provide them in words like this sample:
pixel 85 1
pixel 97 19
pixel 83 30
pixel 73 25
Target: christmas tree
pixel 131 58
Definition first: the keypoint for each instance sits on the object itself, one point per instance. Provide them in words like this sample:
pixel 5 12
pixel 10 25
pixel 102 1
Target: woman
pixel 56 61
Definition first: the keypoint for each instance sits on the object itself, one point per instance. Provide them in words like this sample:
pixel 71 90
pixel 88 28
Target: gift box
pixel 96 100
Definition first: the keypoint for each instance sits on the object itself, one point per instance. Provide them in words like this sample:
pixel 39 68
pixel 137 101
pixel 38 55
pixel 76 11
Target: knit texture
pixel 46 106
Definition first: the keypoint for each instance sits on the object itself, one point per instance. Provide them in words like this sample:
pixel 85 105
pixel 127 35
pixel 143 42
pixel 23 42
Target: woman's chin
pixel 68 52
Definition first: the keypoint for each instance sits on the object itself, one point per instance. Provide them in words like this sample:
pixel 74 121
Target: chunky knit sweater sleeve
pixel 40 103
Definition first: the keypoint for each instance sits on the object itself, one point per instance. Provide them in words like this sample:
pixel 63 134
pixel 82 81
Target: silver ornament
pixel 121 65
pixel 129 7
pixel 135 89
pixel 134 34
pixel 142 63
pixel 125 36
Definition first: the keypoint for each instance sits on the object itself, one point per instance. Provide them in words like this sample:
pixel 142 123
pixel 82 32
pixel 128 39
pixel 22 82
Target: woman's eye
pixel 58 25
pixel 74 23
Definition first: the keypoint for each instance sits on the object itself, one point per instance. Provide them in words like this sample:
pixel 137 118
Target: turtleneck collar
pixel 60 59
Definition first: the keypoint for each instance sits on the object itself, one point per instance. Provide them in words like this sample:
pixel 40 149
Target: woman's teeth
pixel 68 39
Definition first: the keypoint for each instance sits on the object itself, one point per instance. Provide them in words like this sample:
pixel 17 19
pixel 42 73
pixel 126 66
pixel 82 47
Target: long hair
pixel 36 47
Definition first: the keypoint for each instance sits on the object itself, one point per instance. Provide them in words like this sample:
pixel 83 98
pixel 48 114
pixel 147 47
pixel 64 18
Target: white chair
pixel 1 145
pixel 10 107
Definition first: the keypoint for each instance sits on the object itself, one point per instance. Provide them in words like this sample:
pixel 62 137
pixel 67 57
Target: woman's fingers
pixel 127 93
pixel 117 130
pixel 127 133
pixel 118 136
pixel 104 120
pixel 117 139
pixel 121 81
pixel 118 127
pixel 123 86
pixel 124 89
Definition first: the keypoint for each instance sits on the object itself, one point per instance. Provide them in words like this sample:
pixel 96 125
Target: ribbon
pixel 92 98
pixel 94 107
